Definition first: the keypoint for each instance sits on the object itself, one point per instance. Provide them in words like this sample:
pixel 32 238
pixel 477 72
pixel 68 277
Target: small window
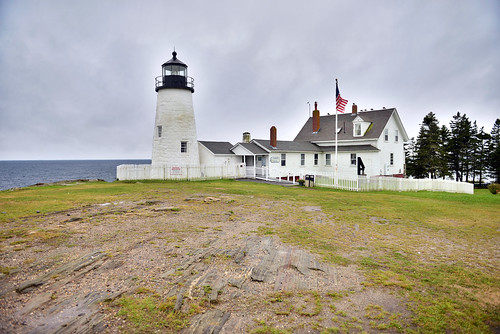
pixel 357 129
pixel 396 136
pixel 392 159
pixel 316 158
pixel 353 159
pixel 386 134
pixel 158 131
pixel 302 159
pixel 328 159
pixel 283 159
pixel 184 146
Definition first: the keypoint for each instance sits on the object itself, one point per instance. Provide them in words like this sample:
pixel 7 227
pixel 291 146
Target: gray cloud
pixel 77 78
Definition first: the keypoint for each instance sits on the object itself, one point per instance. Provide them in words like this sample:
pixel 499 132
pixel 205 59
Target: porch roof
pixel 218 147
pixel 252 148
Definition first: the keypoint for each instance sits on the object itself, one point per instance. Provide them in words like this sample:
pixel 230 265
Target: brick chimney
pixel 315 118
pixel 246 137
pixel 273 140
pixel 354 109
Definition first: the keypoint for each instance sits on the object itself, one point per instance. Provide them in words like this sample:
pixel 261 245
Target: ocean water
pixel 14 174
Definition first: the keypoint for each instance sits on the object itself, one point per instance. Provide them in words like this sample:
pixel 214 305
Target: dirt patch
pixel 198 248
pixel 311 208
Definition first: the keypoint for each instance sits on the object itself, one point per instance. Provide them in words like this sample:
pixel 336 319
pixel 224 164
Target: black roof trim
pixel 174 61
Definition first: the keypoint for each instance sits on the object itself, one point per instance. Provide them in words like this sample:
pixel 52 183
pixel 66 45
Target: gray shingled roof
pixel 349 148
pixel 218 147
pixel 299 146
pixel 378 118
pixel 254 148
pixel 288 146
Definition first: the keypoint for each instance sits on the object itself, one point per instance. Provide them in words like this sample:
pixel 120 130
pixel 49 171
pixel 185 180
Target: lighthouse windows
pixel 184 146
pixel 175 70
pixel 158 131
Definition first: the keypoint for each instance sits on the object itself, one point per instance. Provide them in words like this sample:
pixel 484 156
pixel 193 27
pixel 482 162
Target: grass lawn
pixel 441 251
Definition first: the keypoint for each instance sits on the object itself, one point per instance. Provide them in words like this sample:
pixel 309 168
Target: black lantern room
pixel 174 75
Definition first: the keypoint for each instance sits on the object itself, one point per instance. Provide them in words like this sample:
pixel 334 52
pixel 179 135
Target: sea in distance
pixel 24 173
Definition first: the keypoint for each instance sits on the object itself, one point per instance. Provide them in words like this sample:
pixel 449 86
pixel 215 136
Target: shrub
pixel 494 188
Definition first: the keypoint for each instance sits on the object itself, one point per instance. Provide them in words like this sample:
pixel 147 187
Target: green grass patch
pixel 438 250
pixel 147 312
pixel 337 259
pixel 264 230
pixel 6 270
pixel 264 328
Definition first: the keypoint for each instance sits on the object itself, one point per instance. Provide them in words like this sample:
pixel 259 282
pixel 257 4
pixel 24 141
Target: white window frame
pixel 283 159
pixel 386 135
pixel 354 159
pixel 357 130
pixel 316 159
pixel 396 136
pixel 302 159
pixel 328 159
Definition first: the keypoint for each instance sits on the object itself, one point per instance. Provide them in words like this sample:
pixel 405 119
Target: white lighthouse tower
pixel 175 144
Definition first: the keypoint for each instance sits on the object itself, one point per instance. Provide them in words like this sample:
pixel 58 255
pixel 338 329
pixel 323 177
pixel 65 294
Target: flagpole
pixel 339 106
pixel 336 134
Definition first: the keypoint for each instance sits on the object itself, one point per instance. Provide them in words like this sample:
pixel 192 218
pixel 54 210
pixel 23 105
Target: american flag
pixel 341 103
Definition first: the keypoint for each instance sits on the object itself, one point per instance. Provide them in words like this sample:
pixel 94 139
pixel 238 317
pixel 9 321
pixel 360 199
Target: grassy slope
pixel 439 250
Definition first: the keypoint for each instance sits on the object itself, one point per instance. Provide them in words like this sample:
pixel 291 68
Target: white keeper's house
pixel 369 142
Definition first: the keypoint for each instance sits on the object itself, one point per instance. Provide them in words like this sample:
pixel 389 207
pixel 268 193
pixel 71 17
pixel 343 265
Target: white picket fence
pixel 375 183
pixel 345 182
pixel 361 183
pixel 321 179
pixel 172 172
pixel 379 183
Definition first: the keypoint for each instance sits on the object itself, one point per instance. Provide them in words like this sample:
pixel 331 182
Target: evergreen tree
pixel 494 150
pixel 443 154
pixel 427 146
pixel 410 164
pixel 459 147
pixel 472 153
pixel 482 158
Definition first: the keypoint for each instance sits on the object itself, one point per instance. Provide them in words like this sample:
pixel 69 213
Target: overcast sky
pixel 77 77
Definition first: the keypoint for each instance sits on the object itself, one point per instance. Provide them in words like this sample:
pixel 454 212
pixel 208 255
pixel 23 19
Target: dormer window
pixel 360 127
pixel 357 130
